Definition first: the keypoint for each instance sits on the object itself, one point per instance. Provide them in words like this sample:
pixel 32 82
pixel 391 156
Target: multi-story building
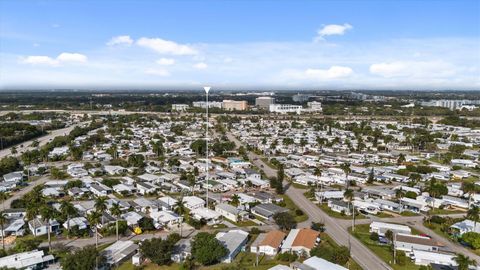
pixel 285 108
pixel 315 106
pixel 180 107
pixel 235 105
pixel 264 102
pixel 211 104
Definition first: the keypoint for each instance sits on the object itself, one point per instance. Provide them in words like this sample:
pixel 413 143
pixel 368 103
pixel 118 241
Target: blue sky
pixel 241 44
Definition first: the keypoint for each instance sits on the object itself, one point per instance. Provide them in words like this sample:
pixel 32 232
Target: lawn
pixel 408 214
pixel 383 215
pixel 438 211
pixel 334 214
pixel 299 186
pixel 383 251
pixel 288 203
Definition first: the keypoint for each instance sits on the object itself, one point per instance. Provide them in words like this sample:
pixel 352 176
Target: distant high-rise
pixel 264 102
pixel 235 105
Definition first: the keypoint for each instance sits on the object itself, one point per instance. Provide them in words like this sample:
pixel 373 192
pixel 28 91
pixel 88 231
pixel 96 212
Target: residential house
pixel 230 212
pixel 268 243
pixel 268 210
pixel 234 241
pixel 409 243
pixel 301 241
pixel 381 228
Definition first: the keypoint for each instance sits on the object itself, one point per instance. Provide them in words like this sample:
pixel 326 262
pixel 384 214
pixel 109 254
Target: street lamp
pixel 207 89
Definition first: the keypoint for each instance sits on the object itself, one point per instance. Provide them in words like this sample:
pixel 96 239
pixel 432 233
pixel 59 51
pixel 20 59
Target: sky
pixel 233 44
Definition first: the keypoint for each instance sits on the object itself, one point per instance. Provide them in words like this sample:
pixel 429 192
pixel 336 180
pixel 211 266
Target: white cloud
pixel 332 73
pixel 332 29
pixel 200 65
pixel 417 69
pixel 61 58
pixel 72 57
pixel 40 60
pixel 157 72
pixel 166 61
pixel 120 40
pixel 166 46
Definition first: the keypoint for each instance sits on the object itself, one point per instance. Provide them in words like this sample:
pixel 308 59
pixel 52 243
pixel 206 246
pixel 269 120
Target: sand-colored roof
pixel 306 238
pixel 273 239
pixel 414 239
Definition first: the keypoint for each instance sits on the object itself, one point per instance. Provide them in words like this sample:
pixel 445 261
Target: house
pixel 231 212
pixel 182 250
pixel 210 216
pixel 146 188
pixel 34 259
pixel 409 243
pixel 166 219
pixel 268 243
pixel 381 228
pixel 13 177
pixel 465 226
pixel 340 207
pixel 415 206
pixel 58 152
pixel 80 222
pixel 388 205
pixel 119 252
pixel 329 194
pixel 316 263
pixel 421 257
pixel 268 210
pixel 39 227
pixel 167 202
pixel 301 241
pixel 193 202
pixel 114 170
pixel 234 241
pixel 16 227
pixel 100 189
pixel 132 218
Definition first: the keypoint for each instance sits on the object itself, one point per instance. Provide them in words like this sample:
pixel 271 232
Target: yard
pixel 383 251
pixel 288 203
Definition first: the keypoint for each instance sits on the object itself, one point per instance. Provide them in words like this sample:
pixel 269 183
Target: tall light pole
pixel 207 89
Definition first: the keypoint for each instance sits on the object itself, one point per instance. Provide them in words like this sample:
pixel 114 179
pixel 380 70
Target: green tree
pixel 87 258
pixel 285 221
pixel 206 249
pixel 94 218
pixel 67 210
pixel 464 262
pixel 159 251
pixel 472 238
pixel 3 220
pixel 474 215
pixel 346 170
pixel 48 213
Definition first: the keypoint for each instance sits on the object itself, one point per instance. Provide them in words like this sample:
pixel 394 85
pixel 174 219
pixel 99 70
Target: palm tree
pixel 469 188
pixel 235 199
pixel 47 213
pixel 67 209
pixel 474 215
pixel 3 197
pixel 179 207
pixel 94 218
pixel 101 205
pixel 464 262
pixel 347 170
pixel 3 220
pixel 399 193
pixel 348 195
pixel 116 212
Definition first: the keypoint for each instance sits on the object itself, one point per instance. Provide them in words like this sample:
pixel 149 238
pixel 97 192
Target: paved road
pixel 361 254
pixel 42 141
pixel 25 190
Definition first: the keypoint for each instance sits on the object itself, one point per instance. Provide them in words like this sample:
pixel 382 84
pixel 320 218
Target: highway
pixel 25 146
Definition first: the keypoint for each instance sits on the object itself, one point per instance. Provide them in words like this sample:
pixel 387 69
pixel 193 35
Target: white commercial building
pixel 180 107
pixel 285 108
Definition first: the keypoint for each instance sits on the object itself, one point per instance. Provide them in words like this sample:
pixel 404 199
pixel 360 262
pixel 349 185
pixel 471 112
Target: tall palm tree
pixel 47 213
pixel 3 220
pixel 93 219
pixel 116 212
pixel 179 207
pixel 399 193
pixel 474 215
pixel 470 189
pixel 347 170
pixel 464 262
pixel 101 205
pixel 348 195
pixel 235 199
pixel 67 209
pixel 3 197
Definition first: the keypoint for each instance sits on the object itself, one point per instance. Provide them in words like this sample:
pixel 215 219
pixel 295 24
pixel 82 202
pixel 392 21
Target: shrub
pixel 374 236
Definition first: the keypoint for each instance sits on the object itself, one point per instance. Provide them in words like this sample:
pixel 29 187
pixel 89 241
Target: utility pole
pixel 207 89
